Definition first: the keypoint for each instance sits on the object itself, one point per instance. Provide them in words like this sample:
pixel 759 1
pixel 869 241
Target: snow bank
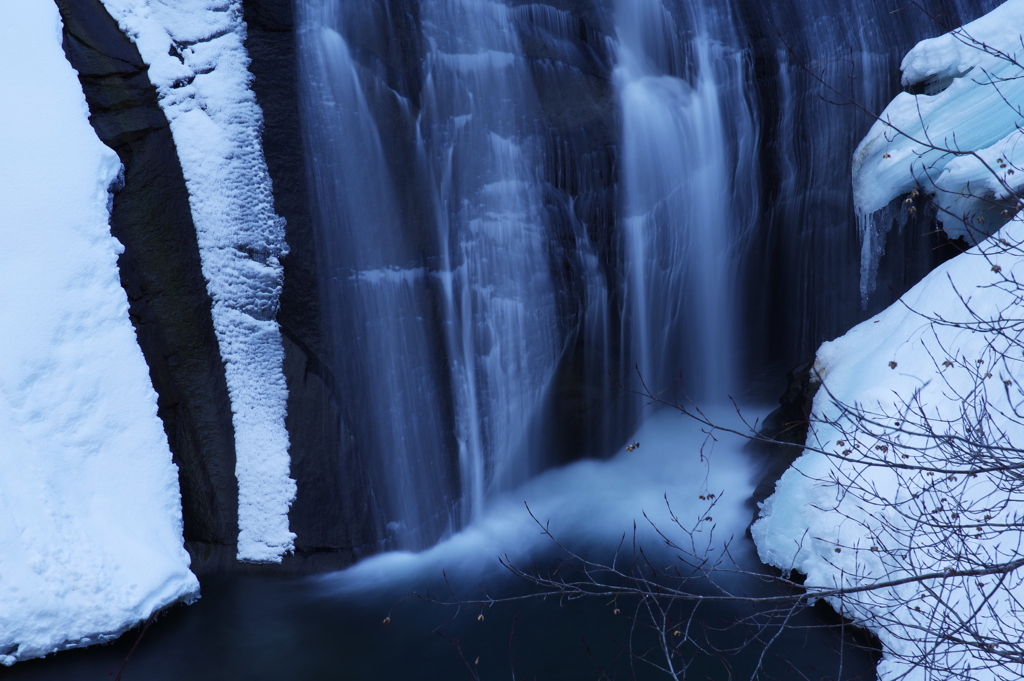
pixel 199 66
pixel 920 405
pixel 865 520
pixel 917 408
pixel 90 513
pixel 960 141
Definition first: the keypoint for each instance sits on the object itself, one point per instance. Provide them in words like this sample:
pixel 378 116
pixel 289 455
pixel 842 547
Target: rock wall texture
pixel 334 514
pixel 160 270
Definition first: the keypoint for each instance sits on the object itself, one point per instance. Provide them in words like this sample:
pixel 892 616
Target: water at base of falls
pixel 332 626
pixel 268 629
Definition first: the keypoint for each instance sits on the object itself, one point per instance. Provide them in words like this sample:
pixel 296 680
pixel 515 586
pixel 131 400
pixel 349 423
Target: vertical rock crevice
pixel 160 271
pixel 335 514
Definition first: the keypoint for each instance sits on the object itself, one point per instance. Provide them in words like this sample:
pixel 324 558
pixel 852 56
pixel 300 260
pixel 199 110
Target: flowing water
pixel 524 208
pixel 365 623
pixel 689 181
pixel 378 286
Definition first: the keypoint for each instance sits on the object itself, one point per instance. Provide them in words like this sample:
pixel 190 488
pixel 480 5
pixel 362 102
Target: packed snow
pixel 960 141
pixel 90 513
pixel 919 409
pixel 904 492
pixel 198 63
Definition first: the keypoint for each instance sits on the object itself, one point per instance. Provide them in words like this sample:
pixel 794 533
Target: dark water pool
pixel 259 628
pixel 332 627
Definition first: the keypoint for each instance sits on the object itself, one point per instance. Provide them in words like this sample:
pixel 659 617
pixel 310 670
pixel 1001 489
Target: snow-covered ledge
pixel 195 50
pixel 820 522
pixel 90 512
pixel 959 140
pixel 946 355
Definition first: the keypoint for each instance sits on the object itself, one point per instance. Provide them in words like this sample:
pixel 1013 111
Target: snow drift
pixel 959 140
pixel 90 513
pixel 919 407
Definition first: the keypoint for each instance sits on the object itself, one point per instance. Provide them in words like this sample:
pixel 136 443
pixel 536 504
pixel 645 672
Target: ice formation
pixel 90 512
pixel 958 141
pixel 198 63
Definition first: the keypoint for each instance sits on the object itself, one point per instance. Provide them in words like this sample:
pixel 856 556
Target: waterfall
pixel 519 207
pixel 377 289
pixel 479 145
pixel 689 179
pixel 444 321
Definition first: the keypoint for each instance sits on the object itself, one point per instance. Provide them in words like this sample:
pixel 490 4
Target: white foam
pixel 590 505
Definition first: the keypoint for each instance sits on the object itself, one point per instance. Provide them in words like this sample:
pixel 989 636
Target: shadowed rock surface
pixel 160 271
pixel 334 514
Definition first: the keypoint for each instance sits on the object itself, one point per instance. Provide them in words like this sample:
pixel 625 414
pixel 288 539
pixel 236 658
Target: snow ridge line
pixel 198 63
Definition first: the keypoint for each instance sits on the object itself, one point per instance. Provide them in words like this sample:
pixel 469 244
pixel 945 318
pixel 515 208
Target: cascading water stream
pixel 375 286
pixel 481 150
pixel 689 179
pixel 449 341
pixel 519 207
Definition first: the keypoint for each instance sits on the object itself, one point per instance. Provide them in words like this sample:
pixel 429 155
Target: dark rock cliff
pixel 780 440
pixel 160 271
pixel 334 514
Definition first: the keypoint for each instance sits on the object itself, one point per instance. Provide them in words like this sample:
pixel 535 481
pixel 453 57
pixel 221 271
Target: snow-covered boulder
pixel 90 512
pixel 904 479
pixel 915 405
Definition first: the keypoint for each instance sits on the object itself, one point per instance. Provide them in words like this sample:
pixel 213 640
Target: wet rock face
pixel 161 273
pixel 784 432
pixel 334 514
